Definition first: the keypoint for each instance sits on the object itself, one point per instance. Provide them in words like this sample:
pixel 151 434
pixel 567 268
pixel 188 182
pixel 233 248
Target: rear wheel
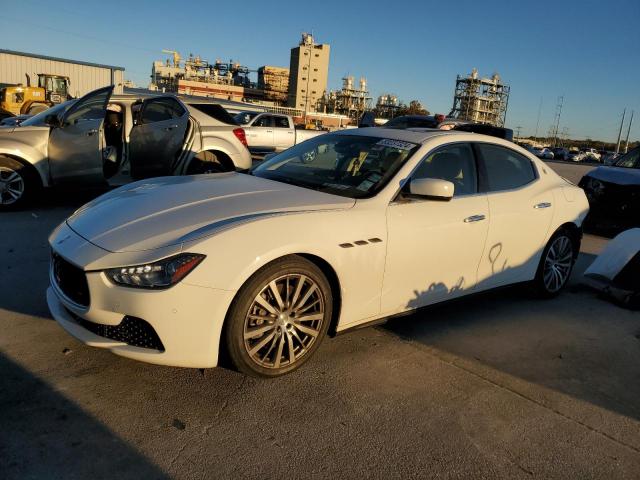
pixel 206 162
pixel 556 264
pixel 17 184
pixel 279 318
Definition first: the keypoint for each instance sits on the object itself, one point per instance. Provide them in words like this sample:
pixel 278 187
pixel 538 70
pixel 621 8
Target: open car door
pixel 157 137
pixel 75 145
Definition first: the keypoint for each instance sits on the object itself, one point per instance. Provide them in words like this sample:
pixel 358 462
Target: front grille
pixel 70 279
pixel 131 330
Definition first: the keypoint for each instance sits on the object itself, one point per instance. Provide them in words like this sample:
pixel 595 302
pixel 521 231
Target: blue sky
pixel 588 51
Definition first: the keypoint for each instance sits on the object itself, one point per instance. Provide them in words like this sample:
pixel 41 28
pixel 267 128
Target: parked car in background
pixel 575 155
pixel 542 152
pixel 412 121
pixel 105 139
pixel 614 192
pixel 592 154
pixel 271 132
pixel 446 123
pixel 339 231
pixel 560 153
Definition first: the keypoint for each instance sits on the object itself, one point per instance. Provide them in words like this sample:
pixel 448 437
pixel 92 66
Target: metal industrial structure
pixel 196 76
pixel 481 100
pixel 83 76
pixel 387 106
pixel 351 101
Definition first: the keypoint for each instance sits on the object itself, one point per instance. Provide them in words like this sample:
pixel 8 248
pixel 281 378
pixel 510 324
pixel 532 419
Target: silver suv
pixel 115 139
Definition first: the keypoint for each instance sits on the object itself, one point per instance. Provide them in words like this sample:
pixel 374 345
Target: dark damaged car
pixel 614 192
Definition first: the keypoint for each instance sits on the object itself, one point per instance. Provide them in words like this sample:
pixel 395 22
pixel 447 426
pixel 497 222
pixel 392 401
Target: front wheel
pixel 17 184
pixel 555 265
pixel 279 318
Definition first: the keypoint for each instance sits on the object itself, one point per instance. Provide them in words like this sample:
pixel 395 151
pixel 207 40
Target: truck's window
pixel 264 121
pixel 245 117
pixel 281 122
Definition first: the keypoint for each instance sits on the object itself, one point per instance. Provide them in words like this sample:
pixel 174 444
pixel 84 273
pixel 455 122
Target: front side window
pixel 454 163
pixel 630 160
pixel 348 165
pixel 92 108
pixel 161 110
pixel 505 168
pixel 281 122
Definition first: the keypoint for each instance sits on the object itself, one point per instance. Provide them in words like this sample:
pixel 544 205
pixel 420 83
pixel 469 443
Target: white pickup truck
pixel 271 132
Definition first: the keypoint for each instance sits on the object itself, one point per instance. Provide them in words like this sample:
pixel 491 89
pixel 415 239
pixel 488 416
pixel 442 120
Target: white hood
pixel 166 211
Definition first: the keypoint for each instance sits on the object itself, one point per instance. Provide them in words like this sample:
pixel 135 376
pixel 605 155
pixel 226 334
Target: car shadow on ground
pixel 577 344
pixel 59 440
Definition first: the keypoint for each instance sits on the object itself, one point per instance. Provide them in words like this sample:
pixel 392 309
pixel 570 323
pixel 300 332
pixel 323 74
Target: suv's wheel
pixel 205 162
pixel 278 318
pixel 556 264
pixel 17 184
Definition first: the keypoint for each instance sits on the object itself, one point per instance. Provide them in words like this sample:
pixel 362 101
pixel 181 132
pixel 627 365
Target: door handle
pixel 93 131
pixel 474 218
pixel 542 205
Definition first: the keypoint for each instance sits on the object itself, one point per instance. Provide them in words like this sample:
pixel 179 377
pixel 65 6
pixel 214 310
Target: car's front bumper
pixel 187 318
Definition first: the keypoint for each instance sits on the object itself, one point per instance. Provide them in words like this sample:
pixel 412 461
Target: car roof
pixel 413 135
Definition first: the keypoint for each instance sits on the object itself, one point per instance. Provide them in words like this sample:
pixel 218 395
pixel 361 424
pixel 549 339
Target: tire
pixel 270 342
pixel 205 162
pixel 556 264
pixel 37 108
pixel 18 185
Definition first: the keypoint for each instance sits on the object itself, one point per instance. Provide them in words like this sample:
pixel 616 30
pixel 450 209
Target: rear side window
pixel 161 110
pixel 505 168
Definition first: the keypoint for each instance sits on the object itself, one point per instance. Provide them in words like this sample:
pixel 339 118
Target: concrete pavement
pixel 499 385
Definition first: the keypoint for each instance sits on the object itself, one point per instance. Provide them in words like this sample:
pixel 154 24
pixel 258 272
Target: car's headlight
pixel 162 274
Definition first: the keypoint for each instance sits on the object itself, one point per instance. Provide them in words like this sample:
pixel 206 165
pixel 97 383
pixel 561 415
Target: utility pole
pixel 626 142
pixel 558 115
pixel 535 137
pixel 620 131
pixel 518 132
pixel 564 136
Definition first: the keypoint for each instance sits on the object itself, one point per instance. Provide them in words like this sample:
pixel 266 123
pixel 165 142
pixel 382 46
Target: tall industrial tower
pixel 308 72
pixel 481 100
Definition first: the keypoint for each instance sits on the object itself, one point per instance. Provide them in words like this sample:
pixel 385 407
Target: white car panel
pixel 387 257
pixel 415 276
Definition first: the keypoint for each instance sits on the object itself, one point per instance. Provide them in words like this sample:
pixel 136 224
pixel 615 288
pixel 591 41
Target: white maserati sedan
pixel 342 230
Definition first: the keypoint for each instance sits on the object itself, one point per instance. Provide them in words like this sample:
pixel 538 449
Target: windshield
pixel 243 118
pixel 38 120
pixel 630 160
pixel 352 166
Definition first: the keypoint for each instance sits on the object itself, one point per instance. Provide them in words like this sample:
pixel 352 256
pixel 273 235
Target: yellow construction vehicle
pixel 20 99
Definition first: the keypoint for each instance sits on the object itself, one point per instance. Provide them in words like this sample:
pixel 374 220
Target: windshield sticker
pixel 387 142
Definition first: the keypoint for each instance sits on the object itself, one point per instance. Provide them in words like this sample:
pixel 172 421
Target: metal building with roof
pixel 84 76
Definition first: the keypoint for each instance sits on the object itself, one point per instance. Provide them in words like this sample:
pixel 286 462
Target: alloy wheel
pixel 557 264
pixel 283 321
pixel 11 186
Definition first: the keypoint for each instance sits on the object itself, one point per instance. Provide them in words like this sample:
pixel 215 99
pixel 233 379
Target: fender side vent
pixel 347 245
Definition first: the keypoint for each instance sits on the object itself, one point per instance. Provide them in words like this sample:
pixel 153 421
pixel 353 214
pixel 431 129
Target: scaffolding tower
pixel 480 100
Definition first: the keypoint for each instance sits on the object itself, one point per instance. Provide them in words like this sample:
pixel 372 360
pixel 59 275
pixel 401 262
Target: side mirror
pixel 52 120
pixel 432 188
